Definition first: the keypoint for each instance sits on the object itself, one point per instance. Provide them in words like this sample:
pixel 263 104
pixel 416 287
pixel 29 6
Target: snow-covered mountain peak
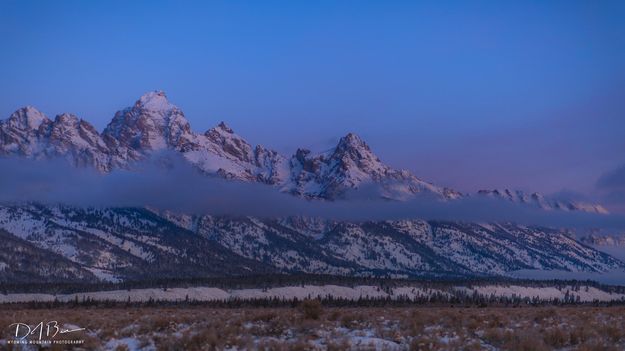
pixel 154 101
pixel 27 118
pixel 20 133
pixel 352 141
pixel 223 127
pixel 353 147
pixel 351 165
pixel 352 152
pixel 224 138
pixel 67 119
pixel 71 137
pixel 151 124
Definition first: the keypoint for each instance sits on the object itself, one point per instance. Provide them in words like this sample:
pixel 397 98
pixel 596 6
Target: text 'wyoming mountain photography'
pixel 312 175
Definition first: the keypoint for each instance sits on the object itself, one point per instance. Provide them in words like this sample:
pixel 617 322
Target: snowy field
pixel 321 328
pixel 581 293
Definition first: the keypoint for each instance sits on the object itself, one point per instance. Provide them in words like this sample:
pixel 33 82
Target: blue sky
pixel 474 94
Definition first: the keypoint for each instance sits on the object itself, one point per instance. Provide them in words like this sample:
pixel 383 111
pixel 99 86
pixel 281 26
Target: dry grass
pixel 312 326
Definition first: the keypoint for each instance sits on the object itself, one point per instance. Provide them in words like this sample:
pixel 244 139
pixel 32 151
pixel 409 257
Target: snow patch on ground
pixel 585 293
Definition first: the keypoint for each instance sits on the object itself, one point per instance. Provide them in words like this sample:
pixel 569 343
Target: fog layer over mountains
pixel 167 182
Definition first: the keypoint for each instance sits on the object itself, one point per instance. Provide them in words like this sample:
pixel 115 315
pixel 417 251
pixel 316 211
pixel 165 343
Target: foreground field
pixel 311 326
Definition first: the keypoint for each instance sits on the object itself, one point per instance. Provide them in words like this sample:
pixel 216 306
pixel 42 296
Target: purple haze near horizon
pixel 471 95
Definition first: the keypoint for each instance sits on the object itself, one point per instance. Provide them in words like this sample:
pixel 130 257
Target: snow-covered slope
pixel 223 152
pixel 118 244
pixel 24 262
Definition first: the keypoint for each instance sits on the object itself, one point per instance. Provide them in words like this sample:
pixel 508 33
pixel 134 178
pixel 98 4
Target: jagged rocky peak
pixel 65 131
pixel 306 160
pixel 273 168
pixel 20 133
pixel 67 119
pixel 221 151
pixel 224 127
pixel 352 152
pixel 352 141
pixel 231 143
pixel 27 118
pixel 76 131
pixel 350 165
pixel 220 131
pixel 76 139
pixel 353 146
pixel 153 123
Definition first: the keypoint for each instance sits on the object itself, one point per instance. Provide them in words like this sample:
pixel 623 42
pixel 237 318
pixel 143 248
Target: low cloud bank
pixel 612 185
pixel 168 182
pixel 614 179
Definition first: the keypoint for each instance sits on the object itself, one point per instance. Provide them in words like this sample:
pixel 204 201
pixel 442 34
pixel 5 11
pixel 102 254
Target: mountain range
pixel 154 124
pixel 138 243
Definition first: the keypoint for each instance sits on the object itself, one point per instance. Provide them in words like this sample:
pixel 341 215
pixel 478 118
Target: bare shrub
pixel 555 337
pixel 264 316
pixel 613 333
pixel 338 345
pixel 311 309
